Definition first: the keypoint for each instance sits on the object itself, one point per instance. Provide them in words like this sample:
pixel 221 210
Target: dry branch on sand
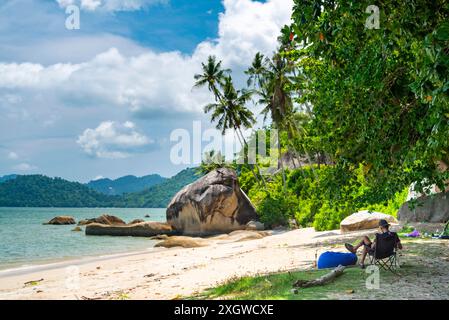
pixel 329 277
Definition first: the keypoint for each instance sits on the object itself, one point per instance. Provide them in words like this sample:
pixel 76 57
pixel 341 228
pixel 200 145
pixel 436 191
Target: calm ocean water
pixel 24 240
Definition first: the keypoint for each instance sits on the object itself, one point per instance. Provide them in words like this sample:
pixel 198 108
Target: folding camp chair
pixel 385 253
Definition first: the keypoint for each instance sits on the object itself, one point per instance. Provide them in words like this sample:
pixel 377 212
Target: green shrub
pixel 321 198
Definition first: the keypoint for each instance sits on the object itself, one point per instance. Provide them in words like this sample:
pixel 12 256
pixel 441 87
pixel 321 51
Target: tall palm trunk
pixel 243 142
pixel 257 166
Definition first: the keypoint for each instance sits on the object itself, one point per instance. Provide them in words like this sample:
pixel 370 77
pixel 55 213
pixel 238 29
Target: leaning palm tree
pixel 230 112
pixel 272 78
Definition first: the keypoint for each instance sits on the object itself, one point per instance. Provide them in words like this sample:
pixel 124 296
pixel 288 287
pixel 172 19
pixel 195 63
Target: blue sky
pixel 104 99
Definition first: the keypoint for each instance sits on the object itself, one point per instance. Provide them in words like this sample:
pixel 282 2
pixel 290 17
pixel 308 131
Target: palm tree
pixel 275 96
pixel 213 76
pixel 231 113
pixel 257 71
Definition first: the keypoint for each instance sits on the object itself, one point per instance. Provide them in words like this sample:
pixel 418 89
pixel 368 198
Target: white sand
pixel 169 273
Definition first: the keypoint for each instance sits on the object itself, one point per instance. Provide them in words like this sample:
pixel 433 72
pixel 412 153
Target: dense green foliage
pixel 126 184
pixel 379 97
pixel 41 191
pixel 307 200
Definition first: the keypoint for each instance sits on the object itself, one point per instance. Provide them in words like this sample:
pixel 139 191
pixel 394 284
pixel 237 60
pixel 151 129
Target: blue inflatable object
pixel 331 259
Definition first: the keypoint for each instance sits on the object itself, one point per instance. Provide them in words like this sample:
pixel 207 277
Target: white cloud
pixel 24 167
pixel 111 5
pixel 149 84
pixel 12 155
pixel 113 140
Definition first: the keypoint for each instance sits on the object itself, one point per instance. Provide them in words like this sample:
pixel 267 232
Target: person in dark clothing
pixel 369 246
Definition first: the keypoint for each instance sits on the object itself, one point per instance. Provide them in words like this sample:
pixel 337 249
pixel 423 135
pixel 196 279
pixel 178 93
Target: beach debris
pixel 329 277
pixel 150 275
pixel 33 282
pixel 88 298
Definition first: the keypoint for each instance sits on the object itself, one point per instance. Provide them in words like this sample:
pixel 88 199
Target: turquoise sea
pixel 25 241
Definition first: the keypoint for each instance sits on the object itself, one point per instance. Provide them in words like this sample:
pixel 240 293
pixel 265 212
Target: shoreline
pixel 172 273
pixel 46 265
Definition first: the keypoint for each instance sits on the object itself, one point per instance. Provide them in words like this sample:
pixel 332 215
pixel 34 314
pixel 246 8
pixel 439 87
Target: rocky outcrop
pixel 103 219
pixel 136 221
pixel 192 242
pixel 434 208
pixel 213 204
pixel 255 225
pixel 182 241
pixel 365 220
pixel 62 220
pixel 144 229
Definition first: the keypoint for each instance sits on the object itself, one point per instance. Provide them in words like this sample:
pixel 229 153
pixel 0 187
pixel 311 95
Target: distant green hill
pixel 160 195
pixel 42 191
pixel 8 177
pixel 127 184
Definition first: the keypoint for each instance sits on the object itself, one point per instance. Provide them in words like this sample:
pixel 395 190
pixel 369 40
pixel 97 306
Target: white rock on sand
pixel 365 220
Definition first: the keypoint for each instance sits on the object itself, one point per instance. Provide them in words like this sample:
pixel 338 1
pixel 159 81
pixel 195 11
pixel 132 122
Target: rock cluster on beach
pixel 213 204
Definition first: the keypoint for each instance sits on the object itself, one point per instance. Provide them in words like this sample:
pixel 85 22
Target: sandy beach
pixel 162 273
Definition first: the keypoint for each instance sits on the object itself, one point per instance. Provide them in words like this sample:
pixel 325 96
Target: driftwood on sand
pixel 329 277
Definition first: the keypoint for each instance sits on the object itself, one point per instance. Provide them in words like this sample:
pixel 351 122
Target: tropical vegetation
pixel 361 108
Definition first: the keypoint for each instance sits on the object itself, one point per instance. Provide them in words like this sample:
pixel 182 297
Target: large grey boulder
pixel 213 204
pixel 433 208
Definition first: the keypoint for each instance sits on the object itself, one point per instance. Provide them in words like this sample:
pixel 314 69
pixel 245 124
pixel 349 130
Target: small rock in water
pixel 61 220
pixel 294 291
pixel 77 229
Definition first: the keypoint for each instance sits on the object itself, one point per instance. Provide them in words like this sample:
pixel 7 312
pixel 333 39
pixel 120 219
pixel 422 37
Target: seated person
pixel 369 247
